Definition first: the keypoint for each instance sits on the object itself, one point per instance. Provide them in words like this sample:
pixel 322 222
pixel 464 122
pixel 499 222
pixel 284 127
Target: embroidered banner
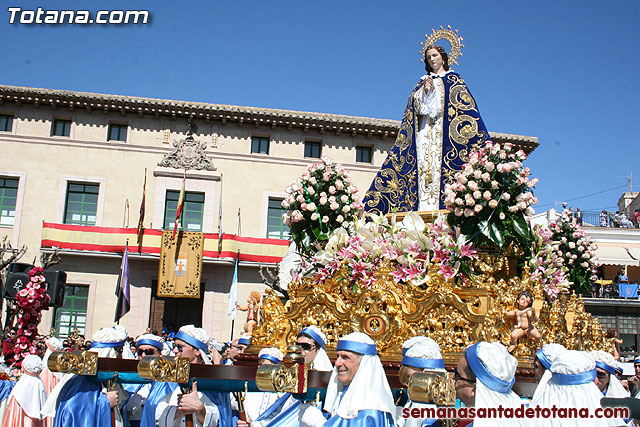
pixel 180 269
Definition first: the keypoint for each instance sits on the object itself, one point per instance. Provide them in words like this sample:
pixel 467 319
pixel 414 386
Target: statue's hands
pixel 428 84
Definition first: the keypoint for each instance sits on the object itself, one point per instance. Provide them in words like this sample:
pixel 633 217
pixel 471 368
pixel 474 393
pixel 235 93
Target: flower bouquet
pixel 415 249
pixel 546 266
pixel 31 300
pixel 491 197
pixel 318 202
pixel 577 251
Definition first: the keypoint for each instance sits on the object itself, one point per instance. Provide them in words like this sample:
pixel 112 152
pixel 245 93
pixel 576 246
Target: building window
pixel 363 154
pixel 192 213
pixel 117 132
pixel 313 149
pixel 276 229
pixel 82 204
pixel 260 145
pixel 6 123
pixel 61 127
pixel 8 198
pixel 73 313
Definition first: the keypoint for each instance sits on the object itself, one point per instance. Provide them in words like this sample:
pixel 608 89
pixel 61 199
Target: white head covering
pixel 53 344
pixel 197 338
pixel 271 353
pixel 424 354
pixel 546 355
pixel 495 371
pixel 321 362
pixel 412 341
pixel 105 340
pixel 572 386
pixel 29 391
pixel 369 388
pixel 606 361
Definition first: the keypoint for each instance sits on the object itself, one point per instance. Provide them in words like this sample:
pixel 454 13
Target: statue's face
pixel 435 59
pixel 523 302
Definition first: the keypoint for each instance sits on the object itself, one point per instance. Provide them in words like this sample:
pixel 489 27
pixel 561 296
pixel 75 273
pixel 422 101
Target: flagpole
pixel 220 219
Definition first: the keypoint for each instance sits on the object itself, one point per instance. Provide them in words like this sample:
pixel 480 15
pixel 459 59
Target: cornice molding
pixel 290 119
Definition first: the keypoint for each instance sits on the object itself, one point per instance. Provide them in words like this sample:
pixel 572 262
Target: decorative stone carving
pixel 188 154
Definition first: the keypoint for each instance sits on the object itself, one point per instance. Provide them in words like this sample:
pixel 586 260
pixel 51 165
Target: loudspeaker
pixel 18 276
pixel 56 281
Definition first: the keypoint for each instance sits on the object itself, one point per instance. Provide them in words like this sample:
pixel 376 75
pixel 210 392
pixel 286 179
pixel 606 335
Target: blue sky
pixel 559 70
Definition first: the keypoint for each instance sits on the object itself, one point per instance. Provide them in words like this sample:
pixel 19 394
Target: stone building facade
pixel 72 174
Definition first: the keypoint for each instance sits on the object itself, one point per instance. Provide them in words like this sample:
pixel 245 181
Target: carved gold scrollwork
pixel 454 315
pixel 165 368
pixel 291 376
pixel 433 387
pixel 74 362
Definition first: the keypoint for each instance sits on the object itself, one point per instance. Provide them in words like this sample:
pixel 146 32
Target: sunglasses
pixel 602 375
pixel 306 346
pixel 459 377
pixel 181 347
pixel 146 352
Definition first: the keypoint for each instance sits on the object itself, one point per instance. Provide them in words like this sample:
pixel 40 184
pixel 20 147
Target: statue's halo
pixel 448 34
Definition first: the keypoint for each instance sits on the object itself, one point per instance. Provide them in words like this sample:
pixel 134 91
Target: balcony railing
pixel 598 219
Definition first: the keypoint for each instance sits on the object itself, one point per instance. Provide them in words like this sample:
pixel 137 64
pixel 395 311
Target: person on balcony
pixel 604 219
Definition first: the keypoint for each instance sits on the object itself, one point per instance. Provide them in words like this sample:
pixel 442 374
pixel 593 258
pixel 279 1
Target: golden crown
pixel 448 34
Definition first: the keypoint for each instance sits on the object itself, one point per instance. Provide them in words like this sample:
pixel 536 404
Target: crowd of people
pixel 619 219
pixel 358 392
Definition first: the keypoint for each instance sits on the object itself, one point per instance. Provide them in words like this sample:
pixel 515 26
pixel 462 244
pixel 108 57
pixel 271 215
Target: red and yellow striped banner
pixel 108 239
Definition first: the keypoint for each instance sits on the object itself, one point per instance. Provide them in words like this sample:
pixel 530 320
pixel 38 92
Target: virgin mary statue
pixel 441 123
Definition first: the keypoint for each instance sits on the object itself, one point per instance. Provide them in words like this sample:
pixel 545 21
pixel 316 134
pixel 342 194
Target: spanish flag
pixel 179 209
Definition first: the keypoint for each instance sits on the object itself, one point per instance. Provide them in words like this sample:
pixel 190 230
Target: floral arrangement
pixel 491 197
pixel 318 202
pixel 577 251
pixel 546 266
pixel 414 248
pixel 31 300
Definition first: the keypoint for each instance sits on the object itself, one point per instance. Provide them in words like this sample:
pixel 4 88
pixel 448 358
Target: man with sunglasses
pixel 142 396
pixel 484 376
pixel 209 409
pixel 313 341
pixel 81 401
pixel 236 347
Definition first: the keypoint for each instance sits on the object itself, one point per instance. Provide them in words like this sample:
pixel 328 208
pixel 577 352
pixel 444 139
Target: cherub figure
pixel 524 317
pixel 252 309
